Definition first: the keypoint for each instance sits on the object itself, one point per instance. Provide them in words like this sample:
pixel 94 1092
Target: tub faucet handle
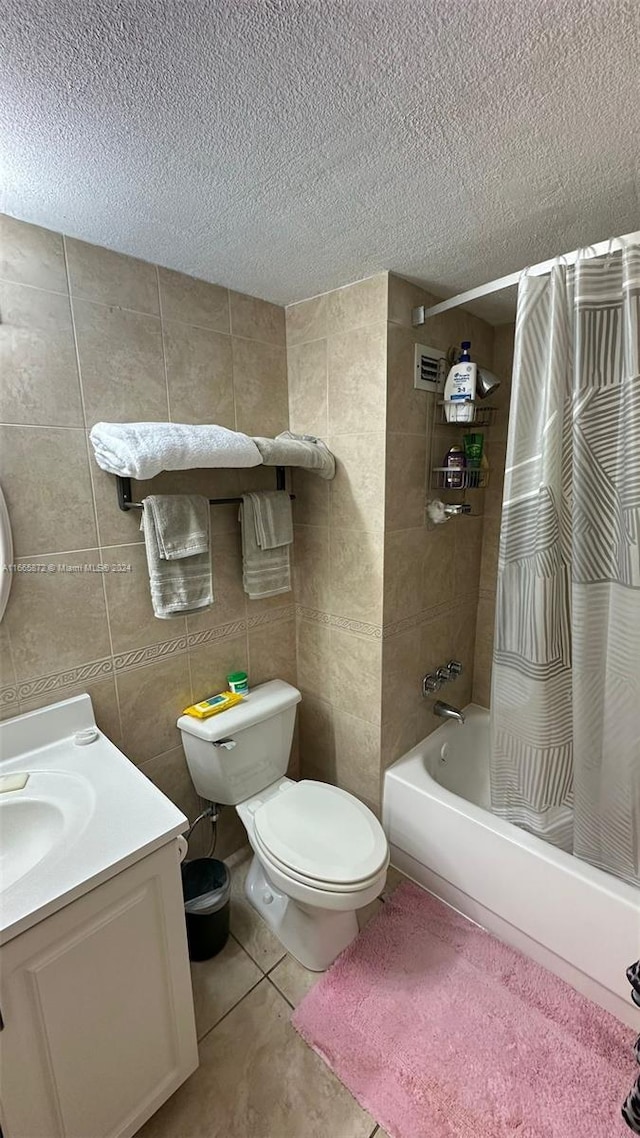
pixel 454 668
pixel 430 683
pixel 444 675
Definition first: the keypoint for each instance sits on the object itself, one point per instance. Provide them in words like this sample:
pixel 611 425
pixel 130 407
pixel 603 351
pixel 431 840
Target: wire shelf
pixel 463 414
pixel 459 478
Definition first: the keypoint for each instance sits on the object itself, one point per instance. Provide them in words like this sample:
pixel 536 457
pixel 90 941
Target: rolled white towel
pixel 142 450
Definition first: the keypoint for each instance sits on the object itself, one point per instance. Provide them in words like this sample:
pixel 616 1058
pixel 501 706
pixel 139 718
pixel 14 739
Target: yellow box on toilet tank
pixel 213 705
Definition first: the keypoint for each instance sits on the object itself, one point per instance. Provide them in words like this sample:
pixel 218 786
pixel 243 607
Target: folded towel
pixel 266 572
pixel 177 542
pixel 272 516
pixel 142 450
pixel 288 449
pixel 181 524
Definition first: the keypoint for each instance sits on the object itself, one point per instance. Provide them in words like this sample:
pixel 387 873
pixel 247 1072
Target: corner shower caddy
pixel 456 479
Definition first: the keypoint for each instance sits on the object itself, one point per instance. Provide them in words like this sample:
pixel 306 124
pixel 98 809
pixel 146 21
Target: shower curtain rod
pixel 419 315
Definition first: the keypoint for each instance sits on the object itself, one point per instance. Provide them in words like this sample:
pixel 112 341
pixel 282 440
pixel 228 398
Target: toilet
pixel 319 853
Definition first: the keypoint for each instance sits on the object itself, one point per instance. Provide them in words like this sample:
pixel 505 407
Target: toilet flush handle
pixel 228 744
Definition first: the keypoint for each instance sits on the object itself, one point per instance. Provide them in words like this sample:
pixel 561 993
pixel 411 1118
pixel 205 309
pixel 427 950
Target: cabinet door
pixel 98 1009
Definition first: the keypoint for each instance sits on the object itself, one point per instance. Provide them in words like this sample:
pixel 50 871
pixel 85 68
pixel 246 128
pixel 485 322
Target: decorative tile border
pixel 317 616
pixel 72 677
pixel 222 632
pixel 272 616
pixel 9 698
pixel 375 631
pixel 127 661
pixel 12 694
pixel 445 608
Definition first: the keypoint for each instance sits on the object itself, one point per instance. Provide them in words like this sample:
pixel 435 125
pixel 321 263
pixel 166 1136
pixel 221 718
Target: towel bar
pixel 123 486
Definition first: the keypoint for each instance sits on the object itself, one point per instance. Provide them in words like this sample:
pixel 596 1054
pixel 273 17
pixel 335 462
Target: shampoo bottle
pixel 454 465
pixel 460 388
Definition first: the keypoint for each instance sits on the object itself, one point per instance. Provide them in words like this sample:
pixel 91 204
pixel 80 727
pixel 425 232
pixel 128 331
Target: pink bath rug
pixel 441 1031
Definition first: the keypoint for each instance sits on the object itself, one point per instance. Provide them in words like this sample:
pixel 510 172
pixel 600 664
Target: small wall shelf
pixel 459 478
pixel 482 415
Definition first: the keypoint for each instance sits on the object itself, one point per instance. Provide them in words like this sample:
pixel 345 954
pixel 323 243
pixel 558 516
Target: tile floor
pixel 257 1078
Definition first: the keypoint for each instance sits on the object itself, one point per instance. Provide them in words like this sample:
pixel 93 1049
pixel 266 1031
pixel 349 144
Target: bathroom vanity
pixel 95 991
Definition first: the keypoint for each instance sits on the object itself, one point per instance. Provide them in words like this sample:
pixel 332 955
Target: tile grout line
pixel 141 311
pixel 169 415
pixel 235 423
pixel 281 994
pixel 45 426
pixel 228 1012
pixel 253 961
pixel 37 288
pixel 30 557
pixel 341 288
pixel 162 341
pixel 91 478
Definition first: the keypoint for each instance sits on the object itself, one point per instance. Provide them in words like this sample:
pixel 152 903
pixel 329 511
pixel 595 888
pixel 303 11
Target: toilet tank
pixel 239 752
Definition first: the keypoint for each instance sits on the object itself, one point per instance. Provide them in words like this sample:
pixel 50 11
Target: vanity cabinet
pixel 98 1009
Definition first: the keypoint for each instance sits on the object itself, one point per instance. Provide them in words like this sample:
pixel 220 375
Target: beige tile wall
pixel 336 350
pixel 380 598
pixel 87 334
pixel 431 574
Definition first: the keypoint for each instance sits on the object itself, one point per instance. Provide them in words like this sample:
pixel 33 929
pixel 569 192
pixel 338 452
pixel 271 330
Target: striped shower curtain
pixel 566 668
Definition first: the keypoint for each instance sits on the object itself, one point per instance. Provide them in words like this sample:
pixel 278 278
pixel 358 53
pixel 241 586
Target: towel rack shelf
pixel 125 502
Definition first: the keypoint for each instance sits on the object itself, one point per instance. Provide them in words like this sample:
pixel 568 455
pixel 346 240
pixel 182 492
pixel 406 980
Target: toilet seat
pixel 327 888
pixel 322 837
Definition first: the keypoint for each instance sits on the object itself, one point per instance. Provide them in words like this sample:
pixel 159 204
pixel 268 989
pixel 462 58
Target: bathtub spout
pixel 446 711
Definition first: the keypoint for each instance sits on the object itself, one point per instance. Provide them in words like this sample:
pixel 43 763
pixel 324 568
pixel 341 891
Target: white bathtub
pixel 579 922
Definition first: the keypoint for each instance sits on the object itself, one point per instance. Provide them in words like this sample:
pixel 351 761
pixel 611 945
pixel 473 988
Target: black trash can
pixel 206 887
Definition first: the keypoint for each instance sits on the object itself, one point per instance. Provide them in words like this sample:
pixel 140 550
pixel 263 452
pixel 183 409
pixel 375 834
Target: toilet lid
pixel 322 832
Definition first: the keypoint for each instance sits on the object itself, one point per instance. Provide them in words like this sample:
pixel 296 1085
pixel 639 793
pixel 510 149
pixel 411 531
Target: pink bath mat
pixel 441 1031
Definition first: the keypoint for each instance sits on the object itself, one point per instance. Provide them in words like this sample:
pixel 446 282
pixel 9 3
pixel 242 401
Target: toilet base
pixel 312 935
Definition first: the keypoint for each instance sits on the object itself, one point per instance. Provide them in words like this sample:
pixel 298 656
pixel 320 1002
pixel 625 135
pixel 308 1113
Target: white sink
pixel 84 813
pixel 39 820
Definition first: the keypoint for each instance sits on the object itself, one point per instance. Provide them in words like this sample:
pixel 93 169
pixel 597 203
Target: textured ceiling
pixel 285 147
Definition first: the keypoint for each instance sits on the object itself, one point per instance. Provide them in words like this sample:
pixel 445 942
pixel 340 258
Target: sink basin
pixel 46 816
pixel 74 812
pixel 29 830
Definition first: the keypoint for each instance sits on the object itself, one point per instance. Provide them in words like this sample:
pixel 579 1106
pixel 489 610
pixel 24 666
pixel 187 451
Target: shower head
pixel 486 383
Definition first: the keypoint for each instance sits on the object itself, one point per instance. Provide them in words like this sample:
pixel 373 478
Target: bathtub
pixel 578 921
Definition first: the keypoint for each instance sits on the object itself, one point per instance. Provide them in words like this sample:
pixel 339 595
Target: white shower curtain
pixel 566 669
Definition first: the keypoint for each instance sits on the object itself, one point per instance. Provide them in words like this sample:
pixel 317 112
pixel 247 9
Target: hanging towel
pixel 266 570
pixel 142 450
pixel 288 449
pixel 177 542
pixel 273 520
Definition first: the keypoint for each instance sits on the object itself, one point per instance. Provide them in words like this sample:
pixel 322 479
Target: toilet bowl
pixel 319 853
